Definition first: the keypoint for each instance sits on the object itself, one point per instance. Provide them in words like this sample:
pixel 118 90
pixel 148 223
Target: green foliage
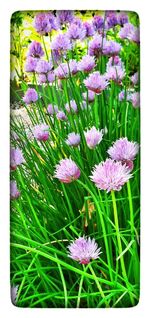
pixel 48 215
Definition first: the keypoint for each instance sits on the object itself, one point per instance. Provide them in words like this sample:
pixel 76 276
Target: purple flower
pixel 93 137
pixel 96 46
pixel 14 291
pixel 30 64
pixel 31 96
pixel 43 67
pixel 130 32
pixel 124 150
pixel 76 32
pixel 72 107
pixel 113 61
pixel 14 193
pixel 98 22
pixel 111 19
pixel 65 16
pixel 83 250
pixel 42 78
pixel 135 99
pixel 41 132
pixel 89 29
pixel 121 95
pixel 73 139
pixel 61 43
pixel 86 64
pixel 90 95
pixel 16 158
pixel 63 70
pixel 110 175
pixel 96 82
pixel 45 23
pixel 115 73
pixel 35 50
pixel 61 115
pixel 135 78
pixel 51 76
pixel 122 18
pixel 111 48
pixel 67 171
pixel 52 109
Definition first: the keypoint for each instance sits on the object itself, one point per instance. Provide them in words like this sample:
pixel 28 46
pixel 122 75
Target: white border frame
pixel 7 309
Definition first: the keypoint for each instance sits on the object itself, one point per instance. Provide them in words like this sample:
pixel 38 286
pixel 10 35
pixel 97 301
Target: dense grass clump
pixel 75 197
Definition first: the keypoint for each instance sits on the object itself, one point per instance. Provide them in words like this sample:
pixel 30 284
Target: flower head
pixel 72 107
pixel 51 76
pixel 89 29
pixel 96 82
pixel 111 19
pixel 16 158
pixel 14 193
pixel 61 115
pixel 86 64
pixel 122 18
pixel 64 16
pixel 41 132
pixel 30 64
pixel 111 48
pixel 63 70
pixel 124 150
pixel 130 32
pixel 52 109
pixel 114 61
pixel 61 43
pixel 76 32
pixel 31 96
pixel 90 95
pixel 35 50
pixel 83 250
pixel 115 73
pixel 98 22
pixel 110 175
pixel 43 67
pixel 135 99
pixel 93 137
pixel 135 78
pixel 122 95
pixel 45 22
pixel 67 171
pixel 96 46
pixel 73 139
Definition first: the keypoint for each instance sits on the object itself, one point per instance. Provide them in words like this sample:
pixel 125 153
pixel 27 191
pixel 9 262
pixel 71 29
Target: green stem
pixel 80 288
pixel 98 285
pixel 102 225
pixel 119 243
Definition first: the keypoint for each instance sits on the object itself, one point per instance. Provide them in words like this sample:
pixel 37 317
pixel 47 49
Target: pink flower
pixel 110 175
pixel 135 99
pixel 93 137
pixel 14 193
pixel 96 82
pixel 31 96
pixel 73 139
pixel 72 107
pixel 115 73
pixel 16 158
pixel 61 115
pixel 41 132
pixel 67 171
pixel 86 64
pixel 83 250
pixel 124 150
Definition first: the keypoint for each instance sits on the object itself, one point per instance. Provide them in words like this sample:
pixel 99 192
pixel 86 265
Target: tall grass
pixel 48 215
